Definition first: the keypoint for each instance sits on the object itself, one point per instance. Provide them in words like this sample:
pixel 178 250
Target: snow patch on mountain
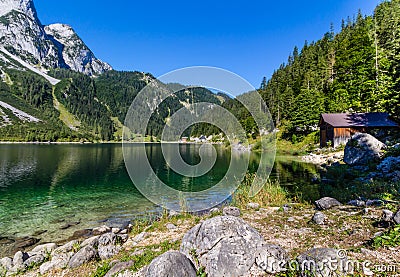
pixel 52 80
pixel 18 113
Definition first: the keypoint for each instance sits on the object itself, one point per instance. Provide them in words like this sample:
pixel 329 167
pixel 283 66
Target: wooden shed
pixel 339 127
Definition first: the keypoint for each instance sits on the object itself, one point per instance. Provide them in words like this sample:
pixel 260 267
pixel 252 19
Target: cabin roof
pixel 358 120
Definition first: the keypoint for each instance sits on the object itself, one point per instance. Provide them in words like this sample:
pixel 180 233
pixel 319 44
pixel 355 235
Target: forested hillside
pixel 354 70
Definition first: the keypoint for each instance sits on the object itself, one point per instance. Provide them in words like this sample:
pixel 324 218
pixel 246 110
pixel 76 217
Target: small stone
pixel 171 226
pixel 291 219
pixel 378 234
pixel 327 203
pixel 319 218
pixel 140 237
pixel 231 211
pixel 374 202
pixel 124 231
pixel 118 267
pixel 101 230
pixel 253 206
pixel 115 230
pixel 173 213
pixel 387 215
pixel 356 203
pixel 286 208
pixel 38 233
pixel 214 211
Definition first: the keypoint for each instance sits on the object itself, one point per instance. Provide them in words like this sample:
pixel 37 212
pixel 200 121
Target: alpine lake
pixel 50 191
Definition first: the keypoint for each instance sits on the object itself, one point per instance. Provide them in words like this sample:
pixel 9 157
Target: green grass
pixel 390 238
pixel 102 270
pixel 65 116
pixel 270 194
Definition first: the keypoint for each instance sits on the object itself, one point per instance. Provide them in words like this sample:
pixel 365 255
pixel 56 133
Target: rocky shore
pixel 255 241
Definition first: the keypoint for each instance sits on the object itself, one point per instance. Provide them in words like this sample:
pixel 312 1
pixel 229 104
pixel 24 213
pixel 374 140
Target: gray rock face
pixel 107 247
pixel 231 211
pixel 272 258
pixel 118 267
pixel 224 245
pixel 390 168
pixel 56 45
pixel 171 264
pixel 396 217
pixel 322 262
pixel 362 149
pixel 326 203
pixel 319 218
pixel 86 254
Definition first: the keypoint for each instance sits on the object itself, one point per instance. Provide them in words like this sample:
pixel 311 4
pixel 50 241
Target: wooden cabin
pixel 338 128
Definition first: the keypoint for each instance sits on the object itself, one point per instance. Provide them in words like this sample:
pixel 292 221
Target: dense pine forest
pixel 354 70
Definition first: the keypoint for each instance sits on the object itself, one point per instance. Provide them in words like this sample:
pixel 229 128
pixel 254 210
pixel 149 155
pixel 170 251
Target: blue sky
pixel 250 38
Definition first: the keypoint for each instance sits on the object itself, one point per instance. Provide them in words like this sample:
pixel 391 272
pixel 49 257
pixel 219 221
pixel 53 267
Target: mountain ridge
pixel 53 46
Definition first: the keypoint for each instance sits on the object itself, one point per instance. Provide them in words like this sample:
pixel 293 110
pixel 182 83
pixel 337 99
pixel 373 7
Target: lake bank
pixel 347 228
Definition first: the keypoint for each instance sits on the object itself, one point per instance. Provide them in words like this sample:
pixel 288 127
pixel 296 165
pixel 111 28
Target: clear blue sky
pixel 250 38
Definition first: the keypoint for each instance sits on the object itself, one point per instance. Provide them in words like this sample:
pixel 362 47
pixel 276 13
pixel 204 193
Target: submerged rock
pixel 173 264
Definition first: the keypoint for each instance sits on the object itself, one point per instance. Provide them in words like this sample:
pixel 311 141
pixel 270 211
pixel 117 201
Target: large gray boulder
pixel 171 264
pixel 362 149
pixel 223 245
pixel 323 262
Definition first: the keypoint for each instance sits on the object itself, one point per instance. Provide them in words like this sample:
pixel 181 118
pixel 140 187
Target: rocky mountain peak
pixel 56 45
pixel 23 6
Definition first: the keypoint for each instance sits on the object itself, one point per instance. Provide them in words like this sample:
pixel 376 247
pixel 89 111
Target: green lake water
pixel 43 187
